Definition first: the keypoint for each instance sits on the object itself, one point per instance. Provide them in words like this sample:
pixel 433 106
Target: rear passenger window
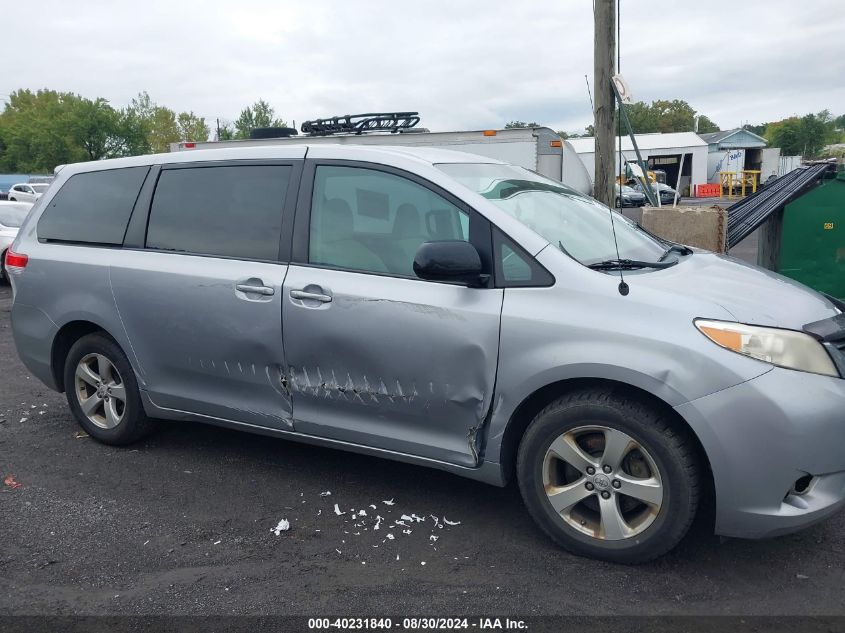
pixel 226 211
pixel 93 207
pixel 364 219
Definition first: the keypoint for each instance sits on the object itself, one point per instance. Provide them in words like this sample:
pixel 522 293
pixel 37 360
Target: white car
pixel 12 215
pixel 27 192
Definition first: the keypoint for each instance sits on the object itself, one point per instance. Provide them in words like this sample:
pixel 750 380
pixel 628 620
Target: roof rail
pixel 360 123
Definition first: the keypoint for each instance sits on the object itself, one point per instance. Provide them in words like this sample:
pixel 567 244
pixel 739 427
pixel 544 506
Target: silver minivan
pixel 446 310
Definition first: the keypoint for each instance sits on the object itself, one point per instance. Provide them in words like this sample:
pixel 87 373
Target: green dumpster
pixel 812 247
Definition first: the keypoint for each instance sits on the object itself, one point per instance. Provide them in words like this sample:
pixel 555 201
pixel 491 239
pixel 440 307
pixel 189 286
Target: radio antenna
pixel 623 287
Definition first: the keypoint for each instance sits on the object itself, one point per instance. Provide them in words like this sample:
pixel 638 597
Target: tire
pixel 111 420
pixel 12 200
pixel 658 463
pixel 3 277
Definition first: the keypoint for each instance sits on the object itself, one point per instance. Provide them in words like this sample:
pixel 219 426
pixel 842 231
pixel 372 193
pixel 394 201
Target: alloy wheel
pixel 100 391
pixel 602 482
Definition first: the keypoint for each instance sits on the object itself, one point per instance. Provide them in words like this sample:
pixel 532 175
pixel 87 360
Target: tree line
pixel 659 116
pixel 805 136
pixel 45 128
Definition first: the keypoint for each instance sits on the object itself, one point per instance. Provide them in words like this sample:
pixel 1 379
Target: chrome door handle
pixel 310 296
pixel 267 291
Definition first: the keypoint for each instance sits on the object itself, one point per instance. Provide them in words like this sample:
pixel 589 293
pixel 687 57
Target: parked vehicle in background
pixel 27 192
pixel 628 196
pixel 443 309
pixel 667 194
pixel 12 215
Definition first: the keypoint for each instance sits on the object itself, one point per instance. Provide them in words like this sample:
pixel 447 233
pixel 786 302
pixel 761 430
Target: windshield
pixel 579 225
pixel 12 215
pixel 39 188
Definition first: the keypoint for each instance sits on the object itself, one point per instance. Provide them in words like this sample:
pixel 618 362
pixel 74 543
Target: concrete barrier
pixel 704 227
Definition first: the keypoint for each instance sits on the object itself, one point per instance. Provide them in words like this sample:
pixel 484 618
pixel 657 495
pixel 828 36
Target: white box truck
pixel 539 149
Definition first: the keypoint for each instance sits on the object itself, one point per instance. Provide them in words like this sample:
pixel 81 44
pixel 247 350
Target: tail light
pixel 15 260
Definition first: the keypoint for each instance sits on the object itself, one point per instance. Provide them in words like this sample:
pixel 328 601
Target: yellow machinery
pixel 744 180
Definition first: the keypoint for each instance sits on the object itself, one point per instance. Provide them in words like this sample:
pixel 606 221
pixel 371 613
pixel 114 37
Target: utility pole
pixel 604 110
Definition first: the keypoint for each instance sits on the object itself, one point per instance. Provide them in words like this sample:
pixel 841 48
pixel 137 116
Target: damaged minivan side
pixel 442 309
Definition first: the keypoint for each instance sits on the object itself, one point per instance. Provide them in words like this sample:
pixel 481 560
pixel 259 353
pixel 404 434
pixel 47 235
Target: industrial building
pixel 705 157
pixel 683 153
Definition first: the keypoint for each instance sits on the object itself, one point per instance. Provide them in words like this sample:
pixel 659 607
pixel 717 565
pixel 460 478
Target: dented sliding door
pixel 399 364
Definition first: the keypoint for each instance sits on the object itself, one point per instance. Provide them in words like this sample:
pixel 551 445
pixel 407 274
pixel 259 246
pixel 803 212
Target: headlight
pixel 784 348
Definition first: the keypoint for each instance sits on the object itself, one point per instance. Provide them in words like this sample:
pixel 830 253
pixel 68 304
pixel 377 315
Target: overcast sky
pixel 463 64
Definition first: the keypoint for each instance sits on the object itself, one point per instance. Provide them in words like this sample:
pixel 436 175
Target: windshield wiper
pixel 675 248
pixel 620 264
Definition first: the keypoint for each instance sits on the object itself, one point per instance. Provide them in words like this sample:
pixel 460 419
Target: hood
pixel 752 295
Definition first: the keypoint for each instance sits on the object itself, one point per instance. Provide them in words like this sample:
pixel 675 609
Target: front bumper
pixel 761 437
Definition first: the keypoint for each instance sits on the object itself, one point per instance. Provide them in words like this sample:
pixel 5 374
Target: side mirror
pixel 449 260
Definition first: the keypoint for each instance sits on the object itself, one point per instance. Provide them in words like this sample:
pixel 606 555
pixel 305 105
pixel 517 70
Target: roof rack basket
pixel 360 123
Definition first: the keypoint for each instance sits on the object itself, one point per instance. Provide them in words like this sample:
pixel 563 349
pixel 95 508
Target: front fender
pixel 549 335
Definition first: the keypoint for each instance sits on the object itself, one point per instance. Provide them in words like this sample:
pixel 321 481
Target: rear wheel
pixel 102 391
pixel 608 477
pixel 3 276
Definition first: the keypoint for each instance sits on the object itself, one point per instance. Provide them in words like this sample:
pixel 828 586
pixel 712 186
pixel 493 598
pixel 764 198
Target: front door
pixel 201 303
pixel 376 356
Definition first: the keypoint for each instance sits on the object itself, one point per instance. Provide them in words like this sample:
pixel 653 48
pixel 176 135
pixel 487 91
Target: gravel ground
pixel 181 524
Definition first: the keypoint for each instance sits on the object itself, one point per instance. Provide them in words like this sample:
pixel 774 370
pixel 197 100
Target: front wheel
pixel 102 391
pixel 608 477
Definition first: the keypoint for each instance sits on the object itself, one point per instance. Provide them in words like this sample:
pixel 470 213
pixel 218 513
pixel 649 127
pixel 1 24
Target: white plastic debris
pixel 389 502
pixel 326 493
pixel 283 526
pixel 362 513
pixel 422 562
pixel 338 551
pixel 405 517
pixel 448 522
pixel 390 536
pixel 433 538
pixel 23 420
pixel 218 542
pixel 337 510
pixel 406 531
pixel 417 519
pixel 373 506
pixel 378 522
